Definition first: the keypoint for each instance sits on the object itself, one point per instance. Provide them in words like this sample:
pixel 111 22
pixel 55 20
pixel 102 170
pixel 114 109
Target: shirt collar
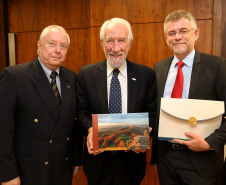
pixel 188 60
pixel 122 69
pixel 47 70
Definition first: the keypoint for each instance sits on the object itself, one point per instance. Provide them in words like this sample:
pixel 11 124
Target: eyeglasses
pixel 173 34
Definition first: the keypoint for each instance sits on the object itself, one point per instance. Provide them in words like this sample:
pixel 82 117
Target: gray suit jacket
pixel 208 82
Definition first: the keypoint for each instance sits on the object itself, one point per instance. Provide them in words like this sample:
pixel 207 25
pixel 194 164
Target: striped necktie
pixel 54 86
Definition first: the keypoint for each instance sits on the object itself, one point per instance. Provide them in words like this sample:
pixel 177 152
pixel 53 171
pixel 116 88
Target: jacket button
pixel 46 163
pixel 50 141
pixel 36 120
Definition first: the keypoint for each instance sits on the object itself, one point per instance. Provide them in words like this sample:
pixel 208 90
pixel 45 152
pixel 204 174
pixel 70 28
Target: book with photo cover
pixel 120 131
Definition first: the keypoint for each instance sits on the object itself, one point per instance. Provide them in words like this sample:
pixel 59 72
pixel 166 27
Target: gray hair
pixel 178 14
pixel 116 20
pixel 46 30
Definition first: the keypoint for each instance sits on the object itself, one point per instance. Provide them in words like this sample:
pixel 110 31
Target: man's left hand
pixel 196 144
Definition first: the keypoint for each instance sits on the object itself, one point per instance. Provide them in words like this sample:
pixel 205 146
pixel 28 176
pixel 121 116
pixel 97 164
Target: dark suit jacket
pixel 208 82
pixel 92 94
pixel 36 138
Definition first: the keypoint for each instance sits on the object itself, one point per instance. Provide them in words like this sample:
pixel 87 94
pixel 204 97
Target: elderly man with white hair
pixel 135 93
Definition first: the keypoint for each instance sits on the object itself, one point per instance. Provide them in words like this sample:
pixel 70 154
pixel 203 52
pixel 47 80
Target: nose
pixel 178 35
pixel 58 49
pixel 116 47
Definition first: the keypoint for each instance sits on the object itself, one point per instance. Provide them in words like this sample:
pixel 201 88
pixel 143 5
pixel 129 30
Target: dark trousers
pixel 116 170
pixel 224 174
pixel 175 167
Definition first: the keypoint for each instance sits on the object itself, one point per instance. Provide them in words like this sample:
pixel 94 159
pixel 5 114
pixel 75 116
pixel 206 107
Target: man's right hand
pixel 89 142
pixel 15 181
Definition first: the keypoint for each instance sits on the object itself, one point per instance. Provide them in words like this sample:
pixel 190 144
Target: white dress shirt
pixel 187 70
pixel 48 73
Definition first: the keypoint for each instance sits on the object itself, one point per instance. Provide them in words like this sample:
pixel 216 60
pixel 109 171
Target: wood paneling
pixel 82 20
pixel 34 15
pixel 143 11
pixel 223 25
pixel 4 58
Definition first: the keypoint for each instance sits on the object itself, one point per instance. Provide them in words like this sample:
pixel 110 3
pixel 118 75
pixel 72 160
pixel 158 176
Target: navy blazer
pixel 37 139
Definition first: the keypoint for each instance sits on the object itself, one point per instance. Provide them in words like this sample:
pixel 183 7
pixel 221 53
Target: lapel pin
pixel 134 79
pixel 68 87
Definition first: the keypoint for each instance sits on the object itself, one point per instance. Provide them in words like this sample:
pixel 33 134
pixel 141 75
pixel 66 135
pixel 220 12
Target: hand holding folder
pixel 178 116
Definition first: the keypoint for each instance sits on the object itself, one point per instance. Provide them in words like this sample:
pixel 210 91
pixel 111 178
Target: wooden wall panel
pixel 79 50
pixel 83 18
pixel 3 36
pixel 143 11
pixel 223 25
pixel 26 46
pixel 34 15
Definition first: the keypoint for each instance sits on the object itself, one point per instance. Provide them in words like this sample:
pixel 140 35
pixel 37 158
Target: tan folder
pixel 177 116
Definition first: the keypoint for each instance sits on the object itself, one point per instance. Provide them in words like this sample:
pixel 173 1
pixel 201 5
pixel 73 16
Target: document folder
pixel 177 116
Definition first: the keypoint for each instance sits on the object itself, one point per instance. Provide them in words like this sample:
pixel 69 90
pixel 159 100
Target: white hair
pixel 113 21
pixel 46 30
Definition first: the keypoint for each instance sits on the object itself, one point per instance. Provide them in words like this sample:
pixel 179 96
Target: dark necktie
pixel 115 102
pixel 179 82
pixel 54 86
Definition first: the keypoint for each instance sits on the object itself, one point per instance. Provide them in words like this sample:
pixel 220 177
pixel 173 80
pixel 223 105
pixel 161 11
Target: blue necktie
pixel 115 102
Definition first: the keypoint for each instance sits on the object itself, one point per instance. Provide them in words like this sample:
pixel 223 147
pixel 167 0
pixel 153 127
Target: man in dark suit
pixel 137 84
pixel 39 139
pixel 199 160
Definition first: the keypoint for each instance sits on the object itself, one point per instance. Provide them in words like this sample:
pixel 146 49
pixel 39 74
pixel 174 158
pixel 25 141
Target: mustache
pixel 115 54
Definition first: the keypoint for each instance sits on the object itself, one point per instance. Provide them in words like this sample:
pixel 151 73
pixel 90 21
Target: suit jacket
pixel 36 137
pixel 208 82
pixel 93 99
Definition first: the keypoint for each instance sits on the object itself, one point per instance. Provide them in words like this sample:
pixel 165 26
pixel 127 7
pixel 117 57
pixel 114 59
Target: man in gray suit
pixel 39 137
pixel 196 161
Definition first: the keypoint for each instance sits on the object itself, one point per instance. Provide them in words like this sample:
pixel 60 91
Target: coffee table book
pixel 120 131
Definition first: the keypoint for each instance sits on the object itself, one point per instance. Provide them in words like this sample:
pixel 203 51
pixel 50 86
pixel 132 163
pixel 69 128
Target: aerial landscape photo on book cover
pixel 120 131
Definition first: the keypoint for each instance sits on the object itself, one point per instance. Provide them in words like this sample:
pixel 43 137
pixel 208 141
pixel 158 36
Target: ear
pixel 165 37
pixel 102 44
pixel 39 45
pixel 196 34
pixel 130 44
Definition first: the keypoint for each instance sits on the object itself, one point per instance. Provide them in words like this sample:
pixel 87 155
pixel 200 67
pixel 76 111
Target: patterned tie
pixel 54 86
pixel 178 86
pixel 115 102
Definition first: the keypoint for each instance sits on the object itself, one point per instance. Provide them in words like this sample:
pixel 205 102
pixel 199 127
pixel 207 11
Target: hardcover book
pixel 120 131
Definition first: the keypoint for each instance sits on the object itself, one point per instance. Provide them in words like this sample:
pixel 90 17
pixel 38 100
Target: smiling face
pixel 116 44
pixel 53 48
pixel 181 44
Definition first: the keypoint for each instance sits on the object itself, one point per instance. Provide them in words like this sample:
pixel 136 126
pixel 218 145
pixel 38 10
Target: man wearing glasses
pixel 203 76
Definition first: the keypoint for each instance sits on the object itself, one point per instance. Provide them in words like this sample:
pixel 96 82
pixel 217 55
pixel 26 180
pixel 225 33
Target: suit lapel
pixel 194 75
pixel 133 86
pixel 100 77
pixel 45 91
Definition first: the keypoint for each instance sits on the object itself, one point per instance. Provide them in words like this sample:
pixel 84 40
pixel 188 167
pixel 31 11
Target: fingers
pixel 75 170
pixel 150 129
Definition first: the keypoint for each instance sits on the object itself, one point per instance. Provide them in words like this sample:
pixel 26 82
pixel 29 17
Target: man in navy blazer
pixel 137 84
pixel 39 138
pixel 199 160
